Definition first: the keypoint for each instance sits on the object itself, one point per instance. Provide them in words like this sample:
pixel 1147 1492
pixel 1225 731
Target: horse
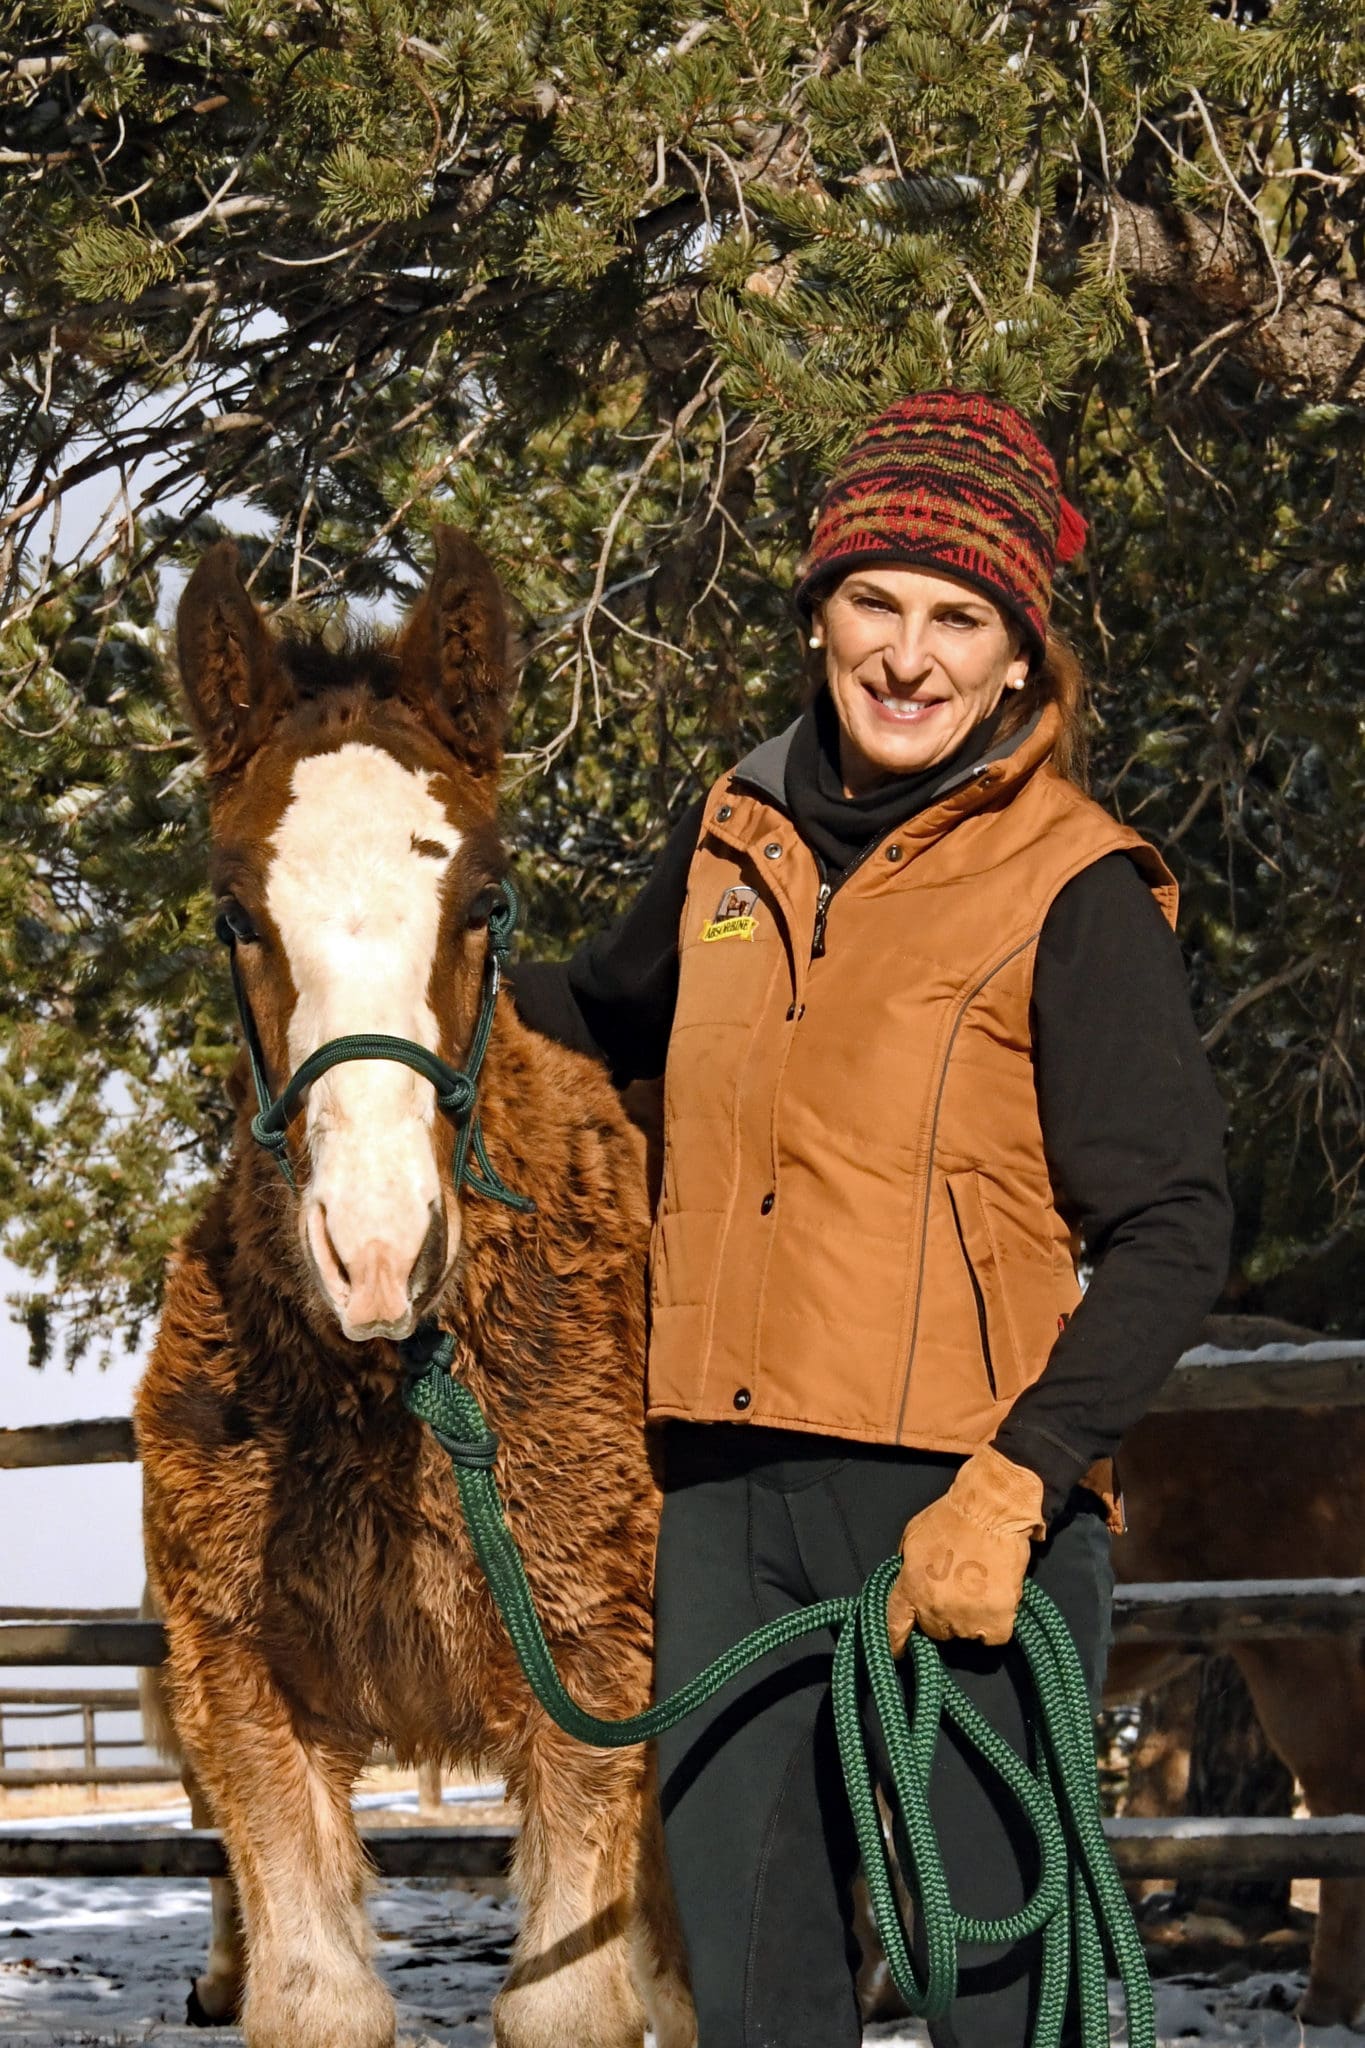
pixel 303 1536
pixel 1265 1493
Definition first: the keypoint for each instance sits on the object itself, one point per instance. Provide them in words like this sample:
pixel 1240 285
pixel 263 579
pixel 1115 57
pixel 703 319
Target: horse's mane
pixel 365 664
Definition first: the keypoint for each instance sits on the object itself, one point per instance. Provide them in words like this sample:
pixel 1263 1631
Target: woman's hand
pixel 963 1558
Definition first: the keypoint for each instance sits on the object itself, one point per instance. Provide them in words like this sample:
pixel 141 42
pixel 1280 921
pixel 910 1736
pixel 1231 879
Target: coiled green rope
pixel 1078 1904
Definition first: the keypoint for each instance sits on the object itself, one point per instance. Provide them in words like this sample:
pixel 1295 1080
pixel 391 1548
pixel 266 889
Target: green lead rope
pixel 1078 1905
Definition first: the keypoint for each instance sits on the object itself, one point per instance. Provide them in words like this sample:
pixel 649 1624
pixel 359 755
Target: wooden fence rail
pixel 29 1777
pixel 1189 1847
pixel 81 1642
pixel 109 1699
pixel 194 1852
pixel 1326 1375
pixel 26 1730
pixel 109 1442
pixel 1194 1615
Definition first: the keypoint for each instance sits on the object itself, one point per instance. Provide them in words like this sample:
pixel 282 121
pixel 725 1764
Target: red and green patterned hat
pixel 953 481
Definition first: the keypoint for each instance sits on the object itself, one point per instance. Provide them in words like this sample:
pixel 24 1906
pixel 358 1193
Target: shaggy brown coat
pixel 303 1533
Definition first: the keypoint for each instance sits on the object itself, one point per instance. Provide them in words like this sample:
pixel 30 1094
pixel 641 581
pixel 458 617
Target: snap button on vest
pixel 725 811
pixel 791 1012
pixel 893 853
pixel 742 1397
pixel 772 851
pixel 766 1205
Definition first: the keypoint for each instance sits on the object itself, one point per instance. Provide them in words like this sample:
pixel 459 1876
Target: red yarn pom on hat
pixel 1071 532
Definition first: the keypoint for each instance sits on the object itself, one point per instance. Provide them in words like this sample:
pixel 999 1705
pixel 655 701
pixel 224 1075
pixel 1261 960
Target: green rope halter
pixel 457 1088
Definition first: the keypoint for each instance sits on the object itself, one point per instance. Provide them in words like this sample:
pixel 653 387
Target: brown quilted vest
pixel 857 1233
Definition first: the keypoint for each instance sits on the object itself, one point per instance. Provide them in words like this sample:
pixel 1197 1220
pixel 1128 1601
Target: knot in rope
pixel 502 921
pixel 433 1397
pixel 459 1098
pixel 273 1139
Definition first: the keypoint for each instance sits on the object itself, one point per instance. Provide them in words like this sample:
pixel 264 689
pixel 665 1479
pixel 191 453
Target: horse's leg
pixel 284 1809
pixel 215 1997
pixel 571 1980
pixel 660 1960
pixel 1310 1696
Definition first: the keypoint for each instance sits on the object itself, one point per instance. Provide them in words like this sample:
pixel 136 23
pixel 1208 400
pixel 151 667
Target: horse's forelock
pixel 364 666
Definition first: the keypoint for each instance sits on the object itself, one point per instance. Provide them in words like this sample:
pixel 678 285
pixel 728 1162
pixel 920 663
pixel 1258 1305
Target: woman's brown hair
pixel 1059 679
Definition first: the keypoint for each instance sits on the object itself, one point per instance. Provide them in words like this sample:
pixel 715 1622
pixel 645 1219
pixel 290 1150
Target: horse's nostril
pixel 336 1257
pixel 430 1262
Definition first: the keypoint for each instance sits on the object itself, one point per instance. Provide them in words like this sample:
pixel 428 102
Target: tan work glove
pixel 963 1558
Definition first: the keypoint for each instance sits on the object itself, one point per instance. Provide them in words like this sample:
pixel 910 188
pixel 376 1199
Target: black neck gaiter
pixel 838 828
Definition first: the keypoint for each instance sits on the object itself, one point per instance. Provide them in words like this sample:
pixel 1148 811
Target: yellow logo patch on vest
pixel 734 918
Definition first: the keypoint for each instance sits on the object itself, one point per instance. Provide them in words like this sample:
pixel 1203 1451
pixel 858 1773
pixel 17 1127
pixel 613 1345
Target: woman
pixel 925 1033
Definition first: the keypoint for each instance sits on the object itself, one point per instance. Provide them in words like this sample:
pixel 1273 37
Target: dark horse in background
pixel 304 1539
pixel 1266 1493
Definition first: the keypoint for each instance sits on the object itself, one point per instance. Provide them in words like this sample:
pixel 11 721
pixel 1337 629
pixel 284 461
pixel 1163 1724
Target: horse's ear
pixel 453 654
pixel 232 679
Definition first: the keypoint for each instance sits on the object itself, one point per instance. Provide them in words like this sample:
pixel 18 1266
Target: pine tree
pixel 611 284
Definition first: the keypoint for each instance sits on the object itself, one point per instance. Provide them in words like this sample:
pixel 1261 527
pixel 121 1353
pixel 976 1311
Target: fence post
pixel 428 1789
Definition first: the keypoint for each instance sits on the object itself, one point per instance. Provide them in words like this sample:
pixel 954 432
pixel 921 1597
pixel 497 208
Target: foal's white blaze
pixel 354 889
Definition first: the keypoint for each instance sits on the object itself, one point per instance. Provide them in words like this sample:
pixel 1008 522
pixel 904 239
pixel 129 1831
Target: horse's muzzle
pixel 378 1290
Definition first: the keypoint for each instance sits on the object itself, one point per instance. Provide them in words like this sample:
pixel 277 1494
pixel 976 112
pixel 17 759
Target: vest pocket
pixel 977 1244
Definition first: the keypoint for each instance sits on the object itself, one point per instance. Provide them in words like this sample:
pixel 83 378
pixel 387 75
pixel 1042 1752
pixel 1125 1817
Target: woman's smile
pixel 901 710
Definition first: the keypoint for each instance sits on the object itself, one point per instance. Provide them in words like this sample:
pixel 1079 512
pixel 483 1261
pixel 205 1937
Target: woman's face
pixel 914 660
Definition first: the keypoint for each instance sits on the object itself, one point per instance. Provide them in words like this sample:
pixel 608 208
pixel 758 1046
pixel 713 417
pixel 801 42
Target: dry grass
pixel 44 1802
pixel 78 1802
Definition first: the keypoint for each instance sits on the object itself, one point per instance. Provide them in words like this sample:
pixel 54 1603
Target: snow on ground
pixel 102 1960
pixel 106 1963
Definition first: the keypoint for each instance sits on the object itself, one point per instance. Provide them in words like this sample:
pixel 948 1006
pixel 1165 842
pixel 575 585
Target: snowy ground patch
pixel 106 1963
pixel 85 1961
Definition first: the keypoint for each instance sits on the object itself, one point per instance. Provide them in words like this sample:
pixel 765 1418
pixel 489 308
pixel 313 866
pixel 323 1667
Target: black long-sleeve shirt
pixel 1132 1124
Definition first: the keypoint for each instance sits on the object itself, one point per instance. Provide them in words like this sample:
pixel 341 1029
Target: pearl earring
pixel 1020 684
pixel 816 641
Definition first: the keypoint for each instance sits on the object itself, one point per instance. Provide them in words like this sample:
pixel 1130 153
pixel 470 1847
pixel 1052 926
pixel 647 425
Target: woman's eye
pixel 235 923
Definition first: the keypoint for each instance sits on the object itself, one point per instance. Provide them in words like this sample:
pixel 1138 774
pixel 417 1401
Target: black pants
pixel 760 1845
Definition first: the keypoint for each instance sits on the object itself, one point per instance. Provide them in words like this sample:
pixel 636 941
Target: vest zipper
pixel 817 941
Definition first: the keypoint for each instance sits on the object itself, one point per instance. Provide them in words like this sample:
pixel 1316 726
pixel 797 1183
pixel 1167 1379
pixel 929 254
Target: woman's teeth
pixel 905 710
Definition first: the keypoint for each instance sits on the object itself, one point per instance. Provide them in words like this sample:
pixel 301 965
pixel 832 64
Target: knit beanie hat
pixel 953 481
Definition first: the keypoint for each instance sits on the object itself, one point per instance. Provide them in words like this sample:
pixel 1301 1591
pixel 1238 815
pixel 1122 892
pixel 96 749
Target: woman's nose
pixel 905 657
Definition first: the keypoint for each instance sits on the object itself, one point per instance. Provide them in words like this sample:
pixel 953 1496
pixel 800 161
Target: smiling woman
pixel 914 661
pixel 946 1042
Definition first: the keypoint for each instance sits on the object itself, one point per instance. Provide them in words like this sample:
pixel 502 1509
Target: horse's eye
pixel 232 922
pixel 482 908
